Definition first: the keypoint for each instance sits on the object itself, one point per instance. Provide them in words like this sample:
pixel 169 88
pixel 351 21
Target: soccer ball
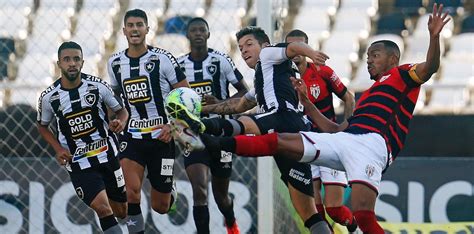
pixel 184 97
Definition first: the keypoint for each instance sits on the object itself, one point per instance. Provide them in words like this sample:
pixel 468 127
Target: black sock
pixel 227 144
pixel 134 209
pixel 201 219
pixel 223 127
pixel 213 126
pixel 107 222
pixel 313 220
pixel 228 213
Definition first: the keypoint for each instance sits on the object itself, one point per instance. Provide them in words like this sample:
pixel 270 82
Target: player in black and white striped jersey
pixel 86 144
pixel 143 76
pixel 209 73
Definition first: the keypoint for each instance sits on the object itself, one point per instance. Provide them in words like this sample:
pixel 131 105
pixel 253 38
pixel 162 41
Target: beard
pixel 69 77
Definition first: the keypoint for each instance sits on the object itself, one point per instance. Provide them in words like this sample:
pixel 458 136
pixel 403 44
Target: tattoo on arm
pixel 229 106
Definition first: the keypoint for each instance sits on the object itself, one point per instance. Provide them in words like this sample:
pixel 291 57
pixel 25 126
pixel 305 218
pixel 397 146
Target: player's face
pixel 70 62
pixel 250 50
pixel 135 30
pixel 299 58
pixel 197 34
pixel 378 61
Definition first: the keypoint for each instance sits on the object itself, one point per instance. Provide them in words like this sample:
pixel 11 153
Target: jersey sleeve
pixel 44 111
pixel 250 95
pixel 171 70
pixel 334 81
pixel 232 74
pixel 274 54
pixel 409 71
pixel 112 80
pixel 109 97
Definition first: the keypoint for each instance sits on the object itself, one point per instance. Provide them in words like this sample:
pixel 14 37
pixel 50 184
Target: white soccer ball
pixel 185 97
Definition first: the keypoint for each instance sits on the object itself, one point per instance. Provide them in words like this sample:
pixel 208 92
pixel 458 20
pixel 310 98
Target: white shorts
pixel 362 156
pixel 328 176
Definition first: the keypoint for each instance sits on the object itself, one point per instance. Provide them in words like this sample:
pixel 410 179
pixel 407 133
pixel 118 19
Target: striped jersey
pixel 144 83
pixel 212 75
pixel 81 116
pixel 321 85
pixel 387 107
pixel 272 84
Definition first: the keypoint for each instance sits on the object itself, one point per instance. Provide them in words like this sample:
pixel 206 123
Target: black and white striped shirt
pixel 273 87
pixel 82 120
pixel 144 83
pixel 212 75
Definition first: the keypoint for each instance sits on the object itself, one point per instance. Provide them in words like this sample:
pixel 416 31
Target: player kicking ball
pixel 368 142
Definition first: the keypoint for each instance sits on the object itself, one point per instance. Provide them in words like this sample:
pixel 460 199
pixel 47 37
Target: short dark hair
pixel 68 45
pixel 135 13
pixel 390 46
pixel 196 19
pixel 257 32
pixel 297 33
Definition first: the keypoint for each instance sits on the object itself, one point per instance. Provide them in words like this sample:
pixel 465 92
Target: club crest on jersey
pixel 80 193
pixel 315 91
pixel 149 66
pixel 211 69
pixel 123 146
pixel 90 99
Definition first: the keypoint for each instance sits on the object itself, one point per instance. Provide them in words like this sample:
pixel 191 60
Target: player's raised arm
pixel 230 106
pixel 299 48
pixel 436 23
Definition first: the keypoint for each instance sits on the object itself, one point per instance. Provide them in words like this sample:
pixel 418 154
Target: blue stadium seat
pixel 177 24
pixel 393 23
pixel 409 7
pixel 467 24
pixel 7 47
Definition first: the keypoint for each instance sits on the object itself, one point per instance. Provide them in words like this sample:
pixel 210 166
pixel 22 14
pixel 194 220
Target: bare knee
pixel 133 194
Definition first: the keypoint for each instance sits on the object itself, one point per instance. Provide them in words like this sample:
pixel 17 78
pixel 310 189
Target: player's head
pixel 197 32
pixel 251 41
pixel 70 60
pixel 382 56
pixel 297 36
pixel 135 26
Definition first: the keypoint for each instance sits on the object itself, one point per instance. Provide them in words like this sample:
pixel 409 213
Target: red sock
pixel 254 146
pixel 342 215
pixel 367 222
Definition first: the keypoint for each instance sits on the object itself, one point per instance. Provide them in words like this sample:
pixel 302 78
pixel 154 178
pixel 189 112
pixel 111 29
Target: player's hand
pixel 116 126
pixel 63 156
pixel 437 20
pixel 165 134
pixel 319 58
pixel 209 100
pixel 300 88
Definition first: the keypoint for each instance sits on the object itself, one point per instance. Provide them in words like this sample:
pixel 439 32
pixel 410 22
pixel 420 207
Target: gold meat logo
pixel 137 90
pixel 202 87
pixel 80 123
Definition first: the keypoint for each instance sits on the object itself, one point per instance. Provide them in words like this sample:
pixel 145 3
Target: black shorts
pixel 220 166
pixel 293 172
pixel 156 156
pixel 90 181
